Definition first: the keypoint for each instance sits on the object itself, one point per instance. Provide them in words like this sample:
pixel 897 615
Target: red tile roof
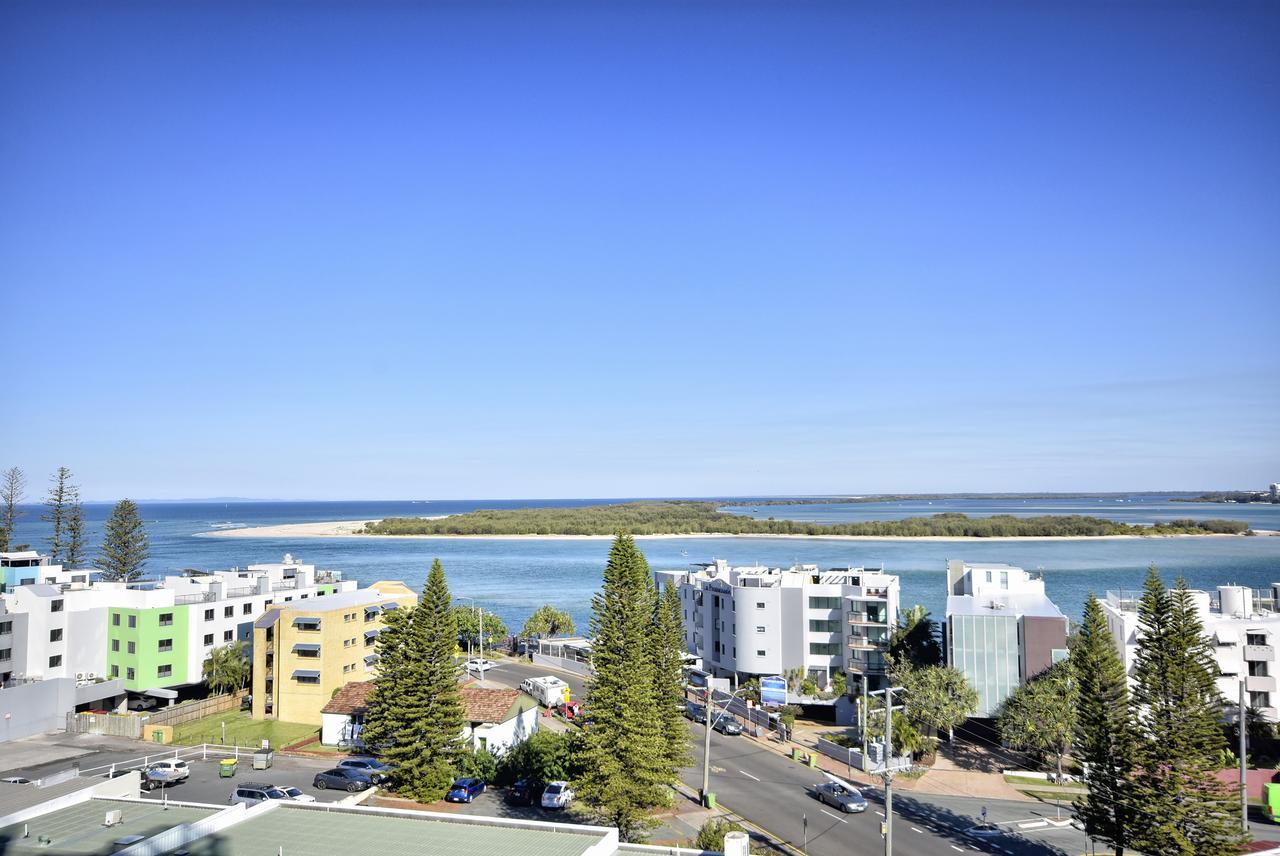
pixel 487 705
pixel 351 698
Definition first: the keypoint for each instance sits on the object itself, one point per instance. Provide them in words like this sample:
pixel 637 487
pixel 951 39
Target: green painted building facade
pixel 149 648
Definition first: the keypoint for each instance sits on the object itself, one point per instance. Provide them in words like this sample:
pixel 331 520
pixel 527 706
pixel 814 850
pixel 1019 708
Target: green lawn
pixel 1033 781
pixel 241 731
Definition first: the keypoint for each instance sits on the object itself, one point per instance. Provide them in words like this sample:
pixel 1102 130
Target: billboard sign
pixel 773 691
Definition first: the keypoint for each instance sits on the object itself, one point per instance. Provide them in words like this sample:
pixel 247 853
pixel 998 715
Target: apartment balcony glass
pixel 871 615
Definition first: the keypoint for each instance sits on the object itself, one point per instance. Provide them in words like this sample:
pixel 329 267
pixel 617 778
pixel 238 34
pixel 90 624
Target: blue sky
pixel 377 250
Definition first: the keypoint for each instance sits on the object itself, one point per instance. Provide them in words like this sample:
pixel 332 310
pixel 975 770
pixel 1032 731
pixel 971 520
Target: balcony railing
pixel 1259 652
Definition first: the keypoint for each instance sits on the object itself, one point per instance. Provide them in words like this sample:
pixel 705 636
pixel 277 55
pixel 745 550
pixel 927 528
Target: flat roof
pixel 337 600
pixel 19 797
pixel 1012 605
pixel 320 832
pixel 78 829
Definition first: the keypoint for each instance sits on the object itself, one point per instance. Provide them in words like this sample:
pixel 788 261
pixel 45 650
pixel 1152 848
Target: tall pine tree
pixel 1104 738
pixel 1186 811
pixel 13 490
pixel 668 688
pixel 624 755
pixel 125 546
pixel 415 715
pixel 62 494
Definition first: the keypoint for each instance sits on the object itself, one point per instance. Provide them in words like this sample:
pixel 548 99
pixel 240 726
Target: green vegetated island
pixel 677 517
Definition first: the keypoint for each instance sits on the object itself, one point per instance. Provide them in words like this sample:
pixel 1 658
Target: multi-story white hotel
pixel 1243 626
pixel 758 621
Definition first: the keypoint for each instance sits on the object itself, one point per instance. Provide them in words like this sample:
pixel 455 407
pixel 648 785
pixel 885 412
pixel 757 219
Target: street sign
pixel 773 691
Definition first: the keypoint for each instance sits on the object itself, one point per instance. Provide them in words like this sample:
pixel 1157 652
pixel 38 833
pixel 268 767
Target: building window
pixel 759 604
pixel 287 599
pixel 55 661
pixel 824 603
pixel 228 635
pixel 56 606
pixel 115 619
pixel 164 671
pixel 1004 579
pixel 166 645
pixel 208 639
pixel 208 615
pixel 1255 639
pixel 6 627
pixel 128 673
pixel 6 654
pixel 130 646
pixel 760 653
pixel 55 635
pixel 247 609
pixel 115 671
pixel 115 645
pixel 308 679
pixel 166 619
pixel 826 649
pixel 133 621
pixel 228 612
pixel 760 628
pixel 823 625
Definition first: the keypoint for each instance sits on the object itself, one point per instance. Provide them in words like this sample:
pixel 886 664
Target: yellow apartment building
pixel 304 651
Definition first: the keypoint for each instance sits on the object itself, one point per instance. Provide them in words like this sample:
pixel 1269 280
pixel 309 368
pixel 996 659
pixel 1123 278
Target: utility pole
pixel 888 766
pixel 706 739
pixel 1244 779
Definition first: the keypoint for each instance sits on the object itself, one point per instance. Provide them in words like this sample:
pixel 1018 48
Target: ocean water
pixel 513 577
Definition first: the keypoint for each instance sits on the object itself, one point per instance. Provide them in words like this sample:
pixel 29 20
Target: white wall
pixel 499 737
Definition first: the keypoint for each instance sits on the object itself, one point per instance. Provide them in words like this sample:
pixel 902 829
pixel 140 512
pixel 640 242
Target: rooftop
pixel 18 797
pixel 351 698
pixel 1034 605
pixel 338 600
pixel 337 832
pixel 483 704
pixel 79 828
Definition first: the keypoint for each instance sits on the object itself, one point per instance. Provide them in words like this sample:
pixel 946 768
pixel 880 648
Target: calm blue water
pixel 514 577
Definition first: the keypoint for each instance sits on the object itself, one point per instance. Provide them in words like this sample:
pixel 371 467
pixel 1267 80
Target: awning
pixel 306 673
pixel 371 659
pixel 391 604
pixel 1226 636
pixel 372 610
pixel 371 634
pixel 308 623
pixel 302 648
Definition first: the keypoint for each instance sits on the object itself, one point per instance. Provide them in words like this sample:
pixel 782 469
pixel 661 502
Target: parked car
pixel 557 795
pixel 16 780
pixel 478 665
pixel 727 725
pixel 295 793
pixel 180 769
pixel 984 830
pixel 163 775
pixel 696 712
pixel 526 792
pixel 343 778
pixel 252 793
pixel 377 771
pixel 465 790
pixel 848 800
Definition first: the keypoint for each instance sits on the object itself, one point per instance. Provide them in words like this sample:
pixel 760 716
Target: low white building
pixel 1243 626
pixel 756 621
pixel 496 719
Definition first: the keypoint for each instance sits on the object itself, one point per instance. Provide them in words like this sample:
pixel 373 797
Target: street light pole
pixel 1244 778
pixel 706 739
pixel 888 692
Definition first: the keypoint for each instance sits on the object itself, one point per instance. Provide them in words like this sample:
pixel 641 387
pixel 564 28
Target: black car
pixel 727 725
pixel 696 712
pixel 526 792
pixel 343 778
pixel 372 767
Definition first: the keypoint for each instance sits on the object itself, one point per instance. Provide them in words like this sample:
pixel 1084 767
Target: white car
pixel 984 830
pixel 177 770
pixel 479 665
pixel 557 795
pixel 296 794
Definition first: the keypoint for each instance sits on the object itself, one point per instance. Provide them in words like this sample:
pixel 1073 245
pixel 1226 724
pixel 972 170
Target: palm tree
pixel 916 639
pixel 227 668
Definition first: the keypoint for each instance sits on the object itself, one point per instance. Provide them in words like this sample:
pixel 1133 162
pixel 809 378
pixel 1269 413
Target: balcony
pixel 873 618
pixel 1260 683
pixel 1257 653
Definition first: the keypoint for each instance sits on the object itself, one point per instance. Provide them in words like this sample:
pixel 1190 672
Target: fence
pixel 203 752
pixel 854 758
pixel 110 724
pixel 189 711
pixel 567 664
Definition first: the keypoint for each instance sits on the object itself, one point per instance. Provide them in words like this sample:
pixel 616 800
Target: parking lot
pixel 493 803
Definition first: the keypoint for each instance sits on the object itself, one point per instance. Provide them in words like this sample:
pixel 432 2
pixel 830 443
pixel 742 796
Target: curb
pixel 736 817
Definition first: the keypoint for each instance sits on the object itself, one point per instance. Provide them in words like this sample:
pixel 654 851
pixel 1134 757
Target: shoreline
pixel 350 529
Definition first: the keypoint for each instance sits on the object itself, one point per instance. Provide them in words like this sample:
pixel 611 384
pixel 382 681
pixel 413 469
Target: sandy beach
pixel 351 529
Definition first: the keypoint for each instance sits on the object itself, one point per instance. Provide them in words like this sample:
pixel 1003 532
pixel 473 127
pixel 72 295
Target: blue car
pixel 465 790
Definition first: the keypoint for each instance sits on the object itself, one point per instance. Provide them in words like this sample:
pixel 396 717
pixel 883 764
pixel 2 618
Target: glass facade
pixel 985 649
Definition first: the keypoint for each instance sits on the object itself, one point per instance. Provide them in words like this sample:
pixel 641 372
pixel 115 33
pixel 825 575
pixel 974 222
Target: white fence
pixel 853 758
pixel 203 752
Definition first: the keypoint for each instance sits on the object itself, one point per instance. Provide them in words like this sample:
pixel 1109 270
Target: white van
pixel 547 690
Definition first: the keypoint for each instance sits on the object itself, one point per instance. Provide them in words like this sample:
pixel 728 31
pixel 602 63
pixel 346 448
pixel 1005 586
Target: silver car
pixel 848 800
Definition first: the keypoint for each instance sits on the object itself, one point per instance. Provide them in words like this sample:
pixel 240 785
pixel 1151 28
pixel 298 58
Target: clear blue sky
pixel 376 250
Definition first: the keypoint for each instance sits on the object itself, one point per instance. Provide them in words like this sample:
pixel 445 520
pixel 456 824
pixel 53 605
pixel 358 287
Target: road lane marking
pixel 917 829
pixel 748 775
pixel 836 816
pixel 880 813
pixel 957 849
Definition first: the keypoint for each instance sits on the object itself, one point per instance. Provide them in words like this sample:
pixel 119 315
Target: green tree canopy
pixel 62 495
pixel 228 667
pixel 125 546
pixel 937 698
pixel 1104 738
pixel 13 490
pixel 548 621
pixel 547 755
pixel 667 641
pixel 468 621
pixel 1040 716
pixel 916 639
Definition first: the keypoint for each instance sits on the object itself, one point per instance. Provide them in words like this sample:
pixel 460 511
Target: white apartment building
pixel 151 634
pixel 1243 626
pixel 754 621
pixel 1001 629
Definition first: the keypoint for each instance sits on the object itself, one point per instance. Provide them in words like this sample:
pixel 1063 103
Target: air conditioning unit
pixel 90 676
pixel 114 817
pixel 79 676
